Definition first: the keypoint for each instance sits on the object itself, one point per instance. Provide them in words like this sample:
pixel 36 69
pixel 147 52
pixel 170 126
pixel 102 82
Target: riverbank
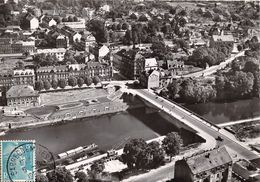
pixel 92 111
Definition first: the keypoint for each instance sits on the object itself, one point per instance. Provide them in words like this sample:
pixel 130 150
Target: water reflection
pixel 224 112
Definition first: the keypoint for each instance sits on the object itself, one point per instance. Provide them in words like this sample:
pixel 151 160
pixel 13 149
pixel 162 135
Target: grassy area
pixel 39 111
pixel 58 98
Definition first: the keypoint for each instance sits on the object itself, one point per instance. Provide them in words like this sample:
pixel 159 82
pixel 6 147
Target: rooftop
pixel 208 160
pixel 21 91
pixel 224 38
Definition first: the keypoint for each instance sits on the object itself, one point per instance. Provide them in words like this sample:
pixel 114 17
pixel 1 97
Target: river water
pixel 110 130
pixel 225 112
pixel 106 131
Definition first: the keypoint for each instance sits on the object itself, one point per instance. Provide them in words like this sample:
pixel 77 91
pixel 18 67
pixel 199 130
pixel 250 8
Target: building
pixel 12 46
pixel 31 22
pixel 88 13
pixel 55 37
pixel 22 96
pixel 48 20
pixel 58 52
pixel 17 77
pixel 129 63
pixel 150 79
pixel 210 166
pixel 221 39
pixel 75 25
pixel 150 64
pixel 244 170
pixel 87 41
pixel 103 70
pixel 73 35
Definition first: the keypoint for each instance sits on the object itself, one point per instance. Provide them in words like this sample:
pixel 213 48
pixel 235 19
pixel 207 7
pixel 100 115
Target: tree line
pixel 237 83
pixel 62 83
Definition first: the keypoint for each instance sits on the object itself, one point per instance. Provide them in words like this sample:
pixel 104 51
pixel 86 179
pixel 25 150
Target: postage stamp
pixel 17 161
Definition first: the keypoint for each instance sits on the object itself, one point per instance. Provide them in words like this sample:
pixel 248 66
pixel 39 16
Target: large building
pixel 22 96
pixel 210 166
pixel 58 52
pixel 11 46
pixel 17 77
pixel 129 63
pixel 103 70
pixel 221 39
pixel 79 25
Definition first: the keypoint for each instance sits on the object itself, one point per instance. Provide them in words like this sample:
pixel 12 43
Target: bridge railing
pixel 197 115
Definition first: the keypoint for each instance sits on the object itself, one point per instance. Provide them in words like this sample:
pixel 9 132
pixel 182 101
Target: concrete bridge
pixel 206 129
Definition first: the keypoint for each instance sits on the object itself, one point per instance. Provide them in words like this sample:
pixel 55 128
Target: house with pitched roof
pixel 210 166
pixel 22 96
pixel 31 22
pixel 221 39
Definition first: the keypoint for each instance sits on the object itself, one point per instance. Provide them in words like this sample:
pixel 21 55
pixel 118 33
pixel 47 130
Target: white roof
pixel 224 38
pixel 150 62
pixel 103 51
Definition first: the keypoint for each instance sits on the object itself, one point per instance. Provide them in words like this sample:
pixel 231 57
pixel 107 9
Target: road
pixel 213 69
pixel 192 120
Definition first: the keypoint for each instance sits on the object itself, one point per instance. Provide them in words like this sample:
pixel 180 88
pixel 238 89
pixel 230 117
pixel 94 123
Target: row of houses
pixel 29 76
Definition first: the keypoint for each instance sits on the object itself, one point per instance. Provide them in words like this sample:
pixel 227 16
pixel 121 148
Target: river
pixel 106 131
pixel 225 112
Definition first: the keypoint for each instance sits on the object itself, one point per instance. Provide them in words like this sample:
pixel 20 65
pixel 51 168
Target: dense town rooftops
pixel 21 91
pixel 208 160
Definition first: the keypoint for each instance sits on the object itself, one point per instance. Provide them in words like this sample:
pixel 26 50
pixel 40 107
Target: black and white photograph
pixel 129 90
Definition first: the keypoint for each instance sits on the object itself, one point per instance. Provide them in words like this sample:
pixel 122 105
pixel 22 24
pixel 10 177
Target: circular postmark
pixel 44 158
pixel 27 158
pixel 20 162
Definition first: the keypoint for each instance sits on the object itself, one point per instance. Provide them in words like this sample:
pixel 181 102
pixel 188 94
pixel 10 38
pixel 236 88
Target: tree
pixel 60 174
pixel 80 81
pixel 128 37
pixel 47 85
pixel 41 178
pixel 159 49
pixel 256 87
pixel 125 26
pixel 88 81
pixel 156 153
pixel 239 47
pixel 72 81
pixel 96 168
pixel 20 65
pixel 96 80
pixel 173 11
pixel 62 83
pixel 75 19
pixel 70 19
pixel 133 153
pixel 251 66
pixel 172 144
pixel 173 89
pixel 99 31
pixel 39 85
pixel 239 84
pixel 187 92
pixel 235 66
pixel 80 176
pixel 54 83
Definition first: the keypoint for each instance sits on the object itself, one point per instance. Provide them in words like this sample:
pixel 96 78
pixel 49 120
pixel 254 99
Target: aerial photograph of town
pixel 129 90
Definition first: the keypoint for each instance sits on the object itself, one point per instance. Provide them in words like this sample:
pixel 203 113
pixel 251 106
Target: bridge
pixel 204 128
